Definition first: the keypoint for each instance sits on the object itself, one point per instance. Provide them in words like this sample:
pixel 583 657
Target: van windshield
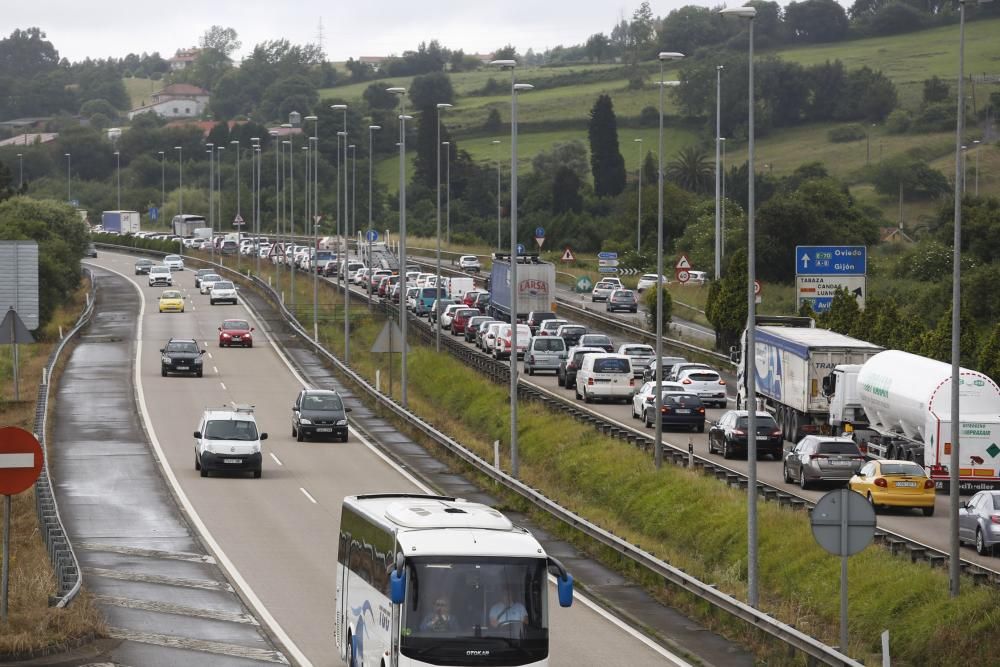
pixel 612 365
pixel 549 345
pixel 230 429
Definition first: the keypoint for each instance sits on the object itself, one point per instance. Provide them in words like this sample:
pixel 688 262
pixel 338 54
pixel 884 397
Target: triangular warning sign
pixel 683 263
pixel 568 255
pixel 390 339
pixel 12 329
pixel 238 220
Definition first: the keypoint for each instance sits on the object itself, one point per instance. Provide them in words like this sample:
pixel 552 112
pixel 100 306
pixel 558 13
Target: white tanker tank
pixel 907 399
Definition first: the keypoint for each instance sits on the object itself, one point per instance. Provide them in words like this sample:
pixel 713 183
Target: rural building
pixel 178 100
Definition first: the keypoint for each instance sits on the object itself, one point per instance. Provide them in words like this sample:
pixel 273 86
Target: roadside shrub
pixel 898 122
pixel 649 117
pixel 845 133
pixel 938 117
pixel 649 299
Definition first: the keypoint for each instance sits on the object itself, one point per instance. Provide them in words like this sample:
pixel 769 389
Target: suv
pixel 142 266
pixel 469 263
pixel 319 412
pixel 544 353
pixel 706 384
pixel 820 459
pixel 181 355
pixel 199 274
pixel 222 290
pixel 160 275
pixel 566 373
pixel 174 262
pixel 228 439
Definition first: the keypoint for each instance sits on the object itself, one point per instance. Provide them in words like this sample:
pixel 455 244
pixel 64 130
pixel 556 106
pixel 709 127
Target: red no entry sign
pixel 20 460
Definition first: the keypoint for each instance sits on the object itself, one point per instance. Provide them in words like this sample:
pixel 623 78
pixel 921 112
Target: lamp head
pixel 444 105
pixel 374 127
pixel 337 107
pixel 341 134
pixel 638 141
pixel 311 118
pixel 669 55
pixel 176 148
pixel 446 143
pixel 504 64
pixel 396 90
pixel 495 142
pixel 670 83
pixel 745 12
pixel 520 87
pixel 210 145
pixel 719 68
pixel 405 117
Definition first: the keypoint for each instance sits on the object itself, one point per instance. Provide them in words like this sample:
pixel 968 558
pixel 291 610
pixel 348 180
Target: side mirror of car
pixel 202 351
pixel 263 436
pixel 197 434
pixel 348 409
pixel 963 505
pixel 162 350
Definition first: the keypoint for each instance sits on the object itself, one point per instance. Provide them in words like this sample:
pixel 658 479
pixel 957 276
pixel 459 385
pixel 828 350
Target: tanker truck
pixel 897 405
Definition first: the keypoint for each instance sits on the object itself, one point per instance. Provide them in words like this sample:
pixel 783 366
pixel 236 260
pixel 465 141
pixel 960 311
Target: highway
pixel 277 536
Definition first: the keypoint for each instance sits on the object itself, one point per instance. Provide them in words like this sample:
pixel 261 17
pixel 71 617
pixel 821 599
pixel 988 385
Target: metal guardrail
pixel 69 579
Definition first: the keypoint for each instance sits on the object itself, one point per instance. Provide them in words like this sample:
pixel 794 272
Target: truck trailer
pixel 791 361
pixel 536 287
pixel 120 222
pixel 186 225
pixel 905 402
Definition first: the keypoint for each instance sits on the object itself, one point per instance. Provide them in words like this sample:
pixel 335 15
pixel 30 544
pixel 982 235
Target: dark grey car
pixel 319 413
pixel 822 459
pixel 566 373
pixel 979 522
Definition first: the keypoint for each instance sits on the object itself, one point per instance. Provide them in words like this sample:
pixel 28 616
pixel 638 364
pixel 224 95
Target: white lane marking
pixel 306 494
pixel 674 658
pixel 199 525
pixel 215 369
pixel 222 384
pixel 209 354
pixel 276 459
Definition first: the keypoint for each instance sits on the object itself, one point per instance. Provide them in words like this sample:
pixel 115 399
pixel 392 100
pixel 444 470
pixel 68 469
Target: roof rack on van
pixel 242 407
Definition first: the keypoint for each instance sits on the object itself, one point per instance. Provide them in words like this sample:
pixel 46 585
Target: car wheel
pixel 981 547
pixel 299 436
pixel 871 501
pixel 163 372
pixel 529 370
pixel 647 420
pixel 701 427
pixel 257 473
pixel 586 397
pixel 928 511
pixel 198 374
pixel 197 462
pixel 803 484
pixel 576 390
pixel 204 471
pixel 249 344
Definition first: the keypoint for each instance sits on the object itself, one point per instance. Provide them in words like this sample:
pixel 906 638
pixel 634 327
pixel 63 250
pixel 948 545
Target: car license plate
pixel 683 411
pixel 907 484
pixel 762 437
pixel 324 429
pixel 840 462
pixel 232 460
pixel 236 337
pixel 182 368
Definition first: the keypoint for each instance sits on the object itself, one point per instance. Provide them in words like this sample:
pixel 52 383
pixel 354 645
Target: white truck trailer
pixel 790 362
pixel 905 402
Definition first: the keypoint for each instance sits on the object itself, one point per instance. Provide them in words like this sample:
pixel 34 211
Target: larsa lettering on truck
pixel 536 282
pixel 433 580
pixel 905 413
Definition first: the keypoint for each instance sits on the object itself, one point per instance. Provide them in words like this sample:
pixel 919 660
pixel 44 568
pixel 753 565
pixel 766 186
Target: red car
pixel 470 298
pixel 461 318
pixel 235 332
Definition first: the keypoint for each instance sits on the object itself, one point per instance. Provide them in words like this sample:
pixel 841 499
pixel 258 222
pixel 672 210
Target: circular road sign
pixel 20 460
pixel 520 248
pixel 540 232
pixel 841 511
pixel 756 287
pixel 683 276
pixel 371 236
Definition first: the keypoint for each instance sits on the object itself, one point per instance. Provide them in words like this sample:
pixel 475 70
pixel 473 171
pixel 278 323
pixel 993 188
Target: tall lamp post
pixel 341 227
pixel 447 192
pixel 291 212
pixel 515 88
pixel 239 208
pixel 163 181
pixel 255 199
pixel 496 144
pixel 180 179
pixel 371 161
pixel 722 202
pixel 663 57
pixel 718 176
pixel 218 199
pixel 396 90
pixel 314 184
pixel 20 170
pixel 975 143
pixel 118 179
pixel 750 13
pixel 638 214
pixel 437 282
pixel 211 192
pixel 69 183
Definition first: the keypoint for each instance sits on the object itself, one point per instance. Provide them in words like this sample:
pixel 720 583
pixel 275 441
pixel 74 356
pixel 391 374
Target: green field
pixel 139 90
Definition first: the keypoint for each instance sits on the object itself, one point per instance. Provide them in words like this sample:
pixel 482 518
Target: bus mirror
pixel 734 355
pixel 565 586
pixel 397 587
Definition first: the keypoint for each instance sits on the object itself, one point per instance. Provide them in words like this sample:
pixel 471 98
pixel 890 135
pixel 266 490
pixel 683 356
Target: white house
pixel 178 100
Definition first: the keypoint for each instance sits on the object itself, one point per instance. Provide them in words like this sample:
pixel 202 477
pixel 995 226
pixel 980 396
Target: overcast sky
pixel 111 28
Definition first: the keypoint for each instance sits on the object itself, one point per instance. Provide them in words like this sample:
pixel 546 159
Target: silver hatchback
pixel 822 459
pixel 544 353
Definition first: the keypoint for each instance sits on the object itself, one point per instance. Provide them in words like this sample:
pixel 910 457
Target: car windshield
pixel 210 278
pixel 703 377
pixel 573 330
pixel 170 295
pixel 596 339
pixel 230 429
pixel 160 269
pixel 235 325
pixel 682 400
pixel 171 258
pixel 833 447
pixel 761 421
pixel 223 284
pixel 188 347
pixel 322 402
pixel 549 345
pixel 144 262
pixel 902 469
pixel 624 296
pixel 638 351
pixel 612 365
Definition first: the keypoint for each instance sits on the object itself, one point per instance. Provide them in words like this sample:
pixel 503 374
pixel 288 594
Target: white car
pixel 640 353
pixel 647 396
pixel 697 277
pixel 706 384
pixel 502 348
pixel 469 263
pixel 449 313
pixel 222 290
pixel 605 377
pixel 647 281
pixel 228 441
pixel 490 337
pixel 160 275
pixel 207 281
pixel 174 262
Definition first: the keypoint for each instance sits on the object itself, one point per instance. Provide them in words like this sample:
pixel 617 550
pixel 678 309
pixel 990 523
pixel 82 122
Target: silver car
pixel 822 459
pixel 544 353
pixel 602 291
pixel 641 355
pixel 979 521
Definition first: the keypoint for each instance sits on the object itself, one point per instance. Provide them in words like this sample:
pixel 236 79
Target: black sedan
pixel 678 410
pixel 181 355
pixel 728 436
pixel 319 413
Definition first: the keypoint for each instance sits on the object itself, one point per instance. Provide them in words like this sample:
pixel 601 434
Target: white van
pixel 227 440
pixel 606 377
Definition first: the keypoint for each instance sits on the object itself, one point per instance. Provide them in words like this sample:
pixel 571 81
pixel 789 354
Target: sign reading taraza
pixel 532 287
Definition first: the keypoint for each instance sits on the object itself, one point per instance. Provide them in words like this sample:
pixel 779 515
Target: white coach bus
pixel 431 580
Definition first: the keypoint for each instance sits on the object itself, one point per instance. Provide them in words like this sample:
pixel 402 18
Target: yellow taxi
pixel 171 301
pixel 895 484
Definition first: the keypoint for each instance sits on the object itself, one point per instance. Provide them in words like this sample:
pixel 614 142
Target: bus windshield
pixel 493 608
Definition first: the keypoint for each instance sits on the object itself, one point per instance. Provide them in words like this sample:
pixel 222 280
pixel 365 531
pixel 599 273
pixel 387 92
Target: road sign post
pixel 20 465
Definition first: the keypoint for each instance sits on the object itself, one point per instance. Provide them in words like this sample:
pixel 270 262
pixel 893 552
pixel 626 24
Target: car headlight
pixel 225 335
pixel 165 360
pixel 198 361
pixel 303 420
pixel 341 422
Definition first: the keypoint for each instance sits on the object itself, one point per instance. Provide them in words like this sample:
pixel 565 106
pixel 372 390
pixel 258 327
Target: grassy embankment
pixel 33 626
pixel 692 521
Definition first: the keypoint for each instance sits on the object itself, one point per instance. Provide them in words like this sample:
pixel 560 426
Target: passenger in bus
pixel 507 611
pixel 440 618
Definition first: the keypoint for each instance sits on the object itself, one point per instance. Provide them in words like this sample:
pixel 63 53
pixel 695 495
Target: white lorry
pixel 791 360
pixel 897 405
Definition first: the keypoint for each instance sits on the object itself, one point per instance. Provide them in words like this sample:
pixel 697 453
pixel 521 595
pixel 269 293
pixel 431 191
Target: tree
pixel 816 20
pixel 377 96
pixel 597 47
pixel 691 170
pixel 223 40
pixel 917 178
pixel 989 355
pixel 28 53
pixel 726 307
pixel 641 32
pixel 493 123
pixel 936 343
pixel 606 161
pixel 571 154
pixel 895 18
pixel 566 191
pixel 426 92
pixel 935 90
pixel 649 299
pixel 691 27
pixel 507 52
pixel 843 315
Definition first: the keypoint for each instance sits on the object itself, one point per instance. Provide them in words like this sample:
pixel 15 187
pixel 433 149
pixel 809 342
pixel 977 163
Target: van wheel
pixel 788 478
pixel 257 473
pixel 586 397
pixel 204 472
pixel 197 462
pixel 576 390
pixel 529 370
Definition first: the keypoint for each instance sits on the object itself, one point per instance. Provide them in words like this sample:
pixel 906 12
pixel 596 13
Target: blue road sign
pixel 819 304
pixel 831 260
pixel 74 203
pixel 520 248
pixel 154 213
pixel 607 255
pixel 371 236
pixel 607 269
pixel 540 232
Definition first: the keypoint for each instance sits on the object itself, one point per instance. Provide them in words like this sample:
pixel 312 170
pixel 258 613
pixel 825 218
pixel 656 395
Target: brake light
pixel 995 518
pixel 929 484
pixel 686 381
pixel 590 382
pixel 649 399
pixel 665 409
pixel 775 433
pixel 881 483
pixel 816 457
pixel 739 432
pixel 722 382
pixel 701 411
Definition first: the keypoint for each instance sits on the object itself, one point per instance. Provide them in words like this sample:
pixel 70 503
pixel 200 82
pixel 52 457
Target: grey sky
pixel 105 28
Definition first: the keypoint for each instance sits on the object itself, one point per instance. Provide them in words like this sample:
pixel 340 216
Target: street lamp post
pixel 314 184
pixel 238 220
pixel 218 200
pixel 163 181
pixel 718 177
pixel 20 169
pixel 658 399
pixel 341 227
pixel 69 183
pixel 180 179
pixel 437 282
pixel 447 193
pixel 118 179
pixel 496 143
pixel 211 190
pixel 402 230
pixel 722 213
pixel 750 13
pixel 638 214
pixel 975 143
pixel 371 130
pixel 291 212
pixel 255 199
